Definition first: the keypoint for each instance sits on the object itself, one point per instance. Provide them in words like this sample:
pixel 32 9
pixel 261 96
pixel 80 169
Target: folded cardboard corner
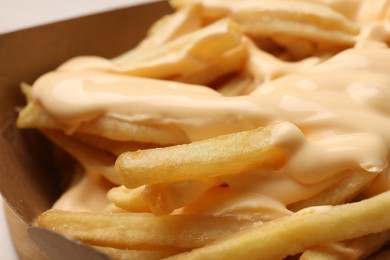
pixel 29 180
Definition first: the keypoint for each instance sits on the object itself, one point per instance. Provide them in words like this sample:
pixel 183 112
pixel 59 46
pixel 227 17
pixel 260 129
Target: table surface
pixel 20 14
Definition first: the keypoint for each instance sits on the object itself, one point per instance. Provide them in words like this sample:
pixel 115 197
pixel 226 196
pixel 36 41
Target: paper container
pixel 29 180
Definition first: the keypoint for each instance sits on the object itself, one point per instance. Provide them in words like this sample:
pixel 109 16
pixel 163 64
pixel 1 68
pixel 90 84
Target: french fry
pixel 229 62
pixel 163 198
pixel 128 199
pixel 222 201
pixel 303 20
pixel 33 115
pixel 347 8
pixel 117 129
pixel 211 10
pixel 200 56
pixel 203 159
pixel 166 29
pixel 186 55
pixel 109 127
pixel 374 11
pixel 358 248
pixel 112 208
pixel 343 192
pixel 291 235
pixel 26 91
pixel 302 28
pixel 96 162
pixel 237 85
pixel 179 4
pixel 125 254
pixel 114 147
pixel 264 66
pixel 296 48
pixel 142 231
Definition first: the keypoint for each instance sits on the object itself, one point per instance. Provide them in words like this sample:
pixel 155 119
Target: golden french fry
pixel 179 23
pixel 178 4
pixel 126 254
pixel 35 116
pixel 347 8
pixel 163 198
pixel 112 208
pixel 358 248
pixel 220 201
pixel 296 48
pixel 300 20
pixel 167 28
pixel 264 66
pixel 96 162
pixel 231 61
pixel 142 231
pixel 121 130
pixel 26 91
pixel 203 159
pixel 375 10
pixel 343 192
pixel 128 199
pixel 211 10
pixel 114 147
pixel 300 26
pixel 237 85
pixel 186 55
pixel 274 239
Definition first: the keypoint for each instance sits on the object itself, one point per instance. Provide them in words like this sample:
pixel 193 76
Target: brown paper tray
pixel 29 181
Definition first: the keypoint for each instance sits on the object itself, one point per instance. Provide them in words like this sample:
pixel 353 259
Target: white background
pixel 18 14
pixel 6 250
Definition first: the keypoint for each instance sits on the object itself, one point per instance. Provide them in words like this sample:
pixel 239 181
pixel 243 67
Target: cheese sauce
pixel 336 112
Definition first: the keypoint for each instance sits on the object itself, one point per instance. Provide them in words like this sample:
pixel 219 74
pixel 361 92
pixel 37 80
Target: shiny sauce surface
pixel 335 111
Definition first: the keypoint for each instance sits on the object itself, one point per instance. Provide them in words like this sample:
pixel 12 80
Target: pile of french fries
pixel 165 195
